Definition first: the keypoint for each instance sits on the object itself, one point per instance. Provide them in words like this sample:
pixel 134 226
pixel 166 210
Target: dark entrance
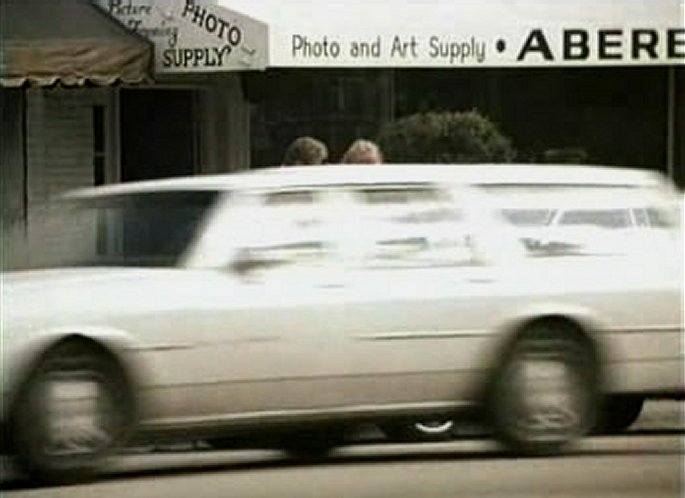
pixel 158 134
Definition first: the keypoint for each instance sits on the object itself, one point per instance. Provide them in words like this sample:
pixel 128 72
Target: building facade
pixel 80 124
pixel 619 116
pixel 192 87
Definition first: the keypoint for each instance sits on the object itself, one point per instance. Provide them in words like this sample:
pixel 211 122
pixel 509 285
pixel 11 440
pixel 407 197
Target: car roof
pixel 492 175
pixel 581 198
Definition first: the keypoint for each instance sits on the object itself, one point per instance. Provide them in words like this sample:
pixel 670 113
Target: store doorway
pixel 158 133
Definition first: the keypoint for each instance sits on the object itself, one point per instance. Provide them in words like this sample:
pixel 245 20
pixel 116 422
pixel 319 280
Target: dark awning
pixel 72 42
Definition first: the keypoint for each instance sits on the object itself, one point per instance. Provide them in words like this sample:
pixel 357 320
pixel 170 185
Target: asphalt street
pixel 647 461
pixel 626 466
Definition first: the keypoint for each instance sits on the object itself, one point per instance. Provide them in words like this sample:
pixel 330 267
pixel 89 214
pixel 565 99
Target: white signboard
pixel 470 33
pixel 194 36
pixel 472 48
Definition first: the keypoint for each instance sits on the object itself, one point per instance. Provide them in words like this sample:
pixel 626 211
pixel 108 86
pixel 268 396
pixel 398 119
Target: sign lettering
pixel 605 44
pixel 194 36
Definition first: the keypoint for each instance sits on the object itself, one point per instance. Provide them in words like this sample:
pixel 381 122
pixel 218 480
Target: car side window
pixel 284 229
pixel 153 228
pixel 605 218
pixel 528 217
pixel 407 226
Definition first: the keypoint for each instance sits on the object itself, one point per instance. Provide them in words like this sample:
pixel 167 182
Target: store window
pixel 336 106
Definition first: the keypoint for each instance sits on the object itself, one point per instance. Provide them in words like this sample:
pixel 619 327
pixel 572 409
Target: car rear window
pixel 137 229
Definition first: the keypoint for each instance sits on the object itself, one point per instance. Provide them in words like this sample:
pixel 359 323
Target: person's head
pixel 363 152
pixel 305 150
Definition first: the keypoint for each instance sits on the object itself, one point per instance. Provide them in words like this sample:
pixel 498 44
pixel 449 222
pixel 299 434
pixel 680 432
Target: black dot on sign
pixel 501 45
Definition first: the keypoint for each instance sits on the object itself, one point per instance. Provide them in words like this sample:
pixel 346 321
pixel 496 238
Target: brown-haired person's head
pixel 305 150
pixel 363 152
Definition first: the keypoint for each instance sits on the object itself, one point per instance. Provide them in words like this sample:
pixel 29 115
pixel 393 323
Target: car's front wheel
pixel 73 410
pixel 544 395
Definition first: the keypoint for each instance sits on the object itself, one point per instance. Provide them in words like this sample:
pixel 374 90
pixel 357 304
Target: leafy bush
pixel 444 137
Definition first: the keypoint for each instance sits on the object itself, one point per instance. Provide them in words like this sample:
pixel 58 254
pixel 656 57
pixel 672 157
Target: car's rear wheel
pixel 544 395
pixel 74 409
pixel 619 413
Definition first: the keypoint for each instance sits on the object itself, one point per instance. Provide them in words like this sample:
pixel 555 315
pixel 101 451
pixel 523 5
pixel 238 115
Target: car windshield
pixel 141 229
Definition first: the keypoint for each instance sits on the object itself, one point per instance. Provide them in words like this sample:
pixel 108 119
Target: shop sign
pixel 194 36
pixel 572 45
pixel 461 34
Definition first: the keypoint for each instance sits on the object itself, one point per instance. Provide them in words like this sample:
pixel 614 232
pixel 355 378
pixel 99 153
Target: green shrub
pixel 444 137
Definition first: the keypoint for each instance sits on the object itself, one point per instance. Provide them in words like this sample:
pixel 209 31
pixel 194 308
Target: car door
pixel 263 306
pixel 418 294
pixel 368 302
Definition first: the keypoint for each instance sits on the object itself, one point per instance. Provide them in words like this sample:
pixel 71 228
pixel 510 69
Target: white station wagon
pixel 282 306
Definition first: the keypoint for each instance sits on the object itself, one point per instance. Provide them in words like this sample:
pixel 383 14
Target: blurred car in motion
pixel 580 210
pixel 281 306
pixel 610 221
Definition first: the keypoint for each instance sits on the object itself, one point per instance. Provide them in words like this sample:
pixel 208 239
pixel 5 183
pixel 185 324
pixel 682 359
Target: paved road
pixel 638 465
pixel 648 461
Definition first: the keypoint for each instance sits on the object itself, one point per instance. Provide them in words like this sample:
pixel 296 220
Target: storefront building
pixel 104 91
pixel 110 91
pixel 603 80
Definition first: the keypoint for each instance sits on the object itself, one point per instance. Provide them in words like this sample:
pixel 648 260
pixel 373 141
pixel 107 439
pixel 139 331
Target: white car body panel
pixel 215 345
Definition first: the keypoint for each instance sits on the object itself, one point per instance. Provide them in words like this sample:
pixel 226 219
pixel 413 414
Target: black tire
pixel 52 441
pixel 528 412
pixel 311 445
pixel 422 431
pixel 618 413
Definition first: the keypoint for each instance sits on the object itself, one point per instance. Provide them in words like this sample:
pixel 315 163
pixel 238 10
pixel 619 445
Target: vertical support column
pixel 239 152
pixel 493 105
pixel 224 122
pixel 13 193
pixel 236 134
pixel 24 161
pixel 387 105
pixel 671 124
pixel 208 109
pixel 113 136
pixel 35 120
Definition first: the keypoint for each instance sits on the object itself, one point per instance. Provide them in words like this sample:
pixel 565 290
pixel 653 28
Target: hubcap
pixel 547 397
pixel 77 411
pixel 435 426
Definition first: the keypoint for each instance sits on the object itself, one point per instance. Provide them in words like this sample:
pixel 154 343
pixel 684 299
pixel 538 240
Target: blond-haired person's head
pixel 363 152
pixel 305 150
